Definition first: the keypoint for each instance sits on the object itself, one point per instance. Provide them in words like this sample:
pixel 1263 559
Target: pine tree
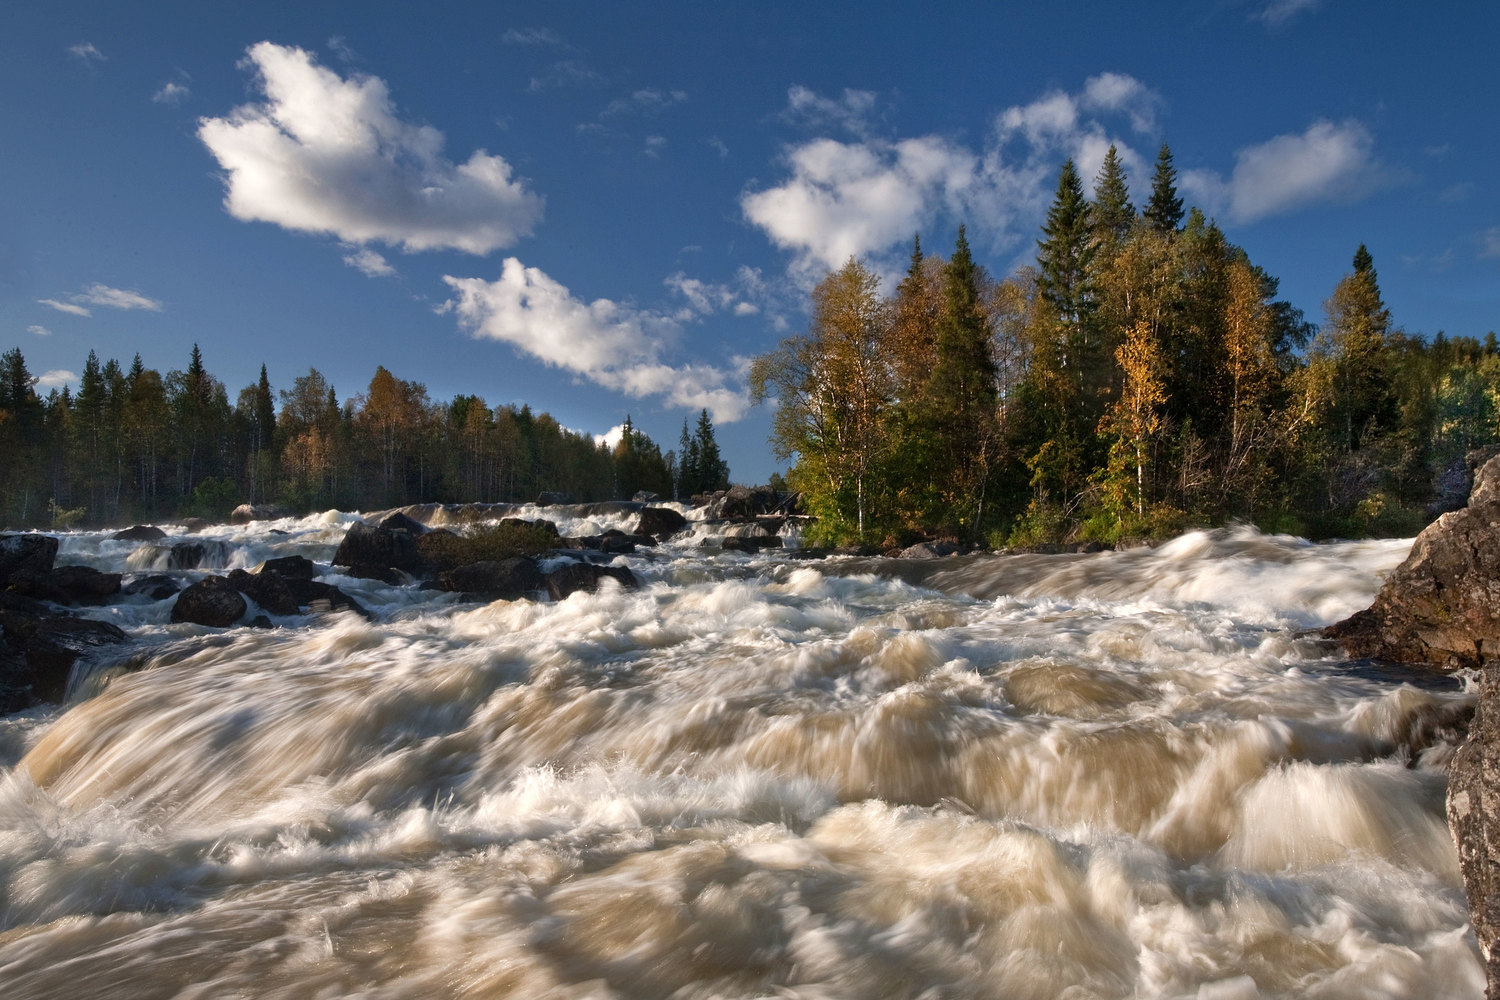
pixel 1164 210
pixel 1113 212
pixel 713 471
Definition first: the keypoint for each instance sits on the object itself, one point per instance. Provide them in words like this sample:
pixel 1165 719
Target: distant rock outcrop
pixel 1442 605
pixel 139 533
pixel 247 512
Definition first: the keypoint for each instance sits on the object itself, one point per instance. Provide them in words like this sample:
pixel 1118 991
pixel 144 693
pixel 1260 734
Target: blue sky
pixel 602 209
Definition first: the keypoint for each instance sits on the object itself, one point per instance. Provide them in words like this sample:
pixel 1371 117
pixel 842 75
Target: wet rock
pixel 38 649
pixel 290 567
pixel 1442 605
pixel 505 579
pixel 212 601
pixel 571 577
pixel 197 555
pixel 317 596
pixel 139 533
pixel 26 554
pixel 1474 818
pixel 369 546
pixel 68 585
pixel 269 590
pixel 192 524
pixel 928 550
pixel 247 512
pixel 660 522
pixel 553 499
pixel 157 586
pixel 645 496
pixel 400 522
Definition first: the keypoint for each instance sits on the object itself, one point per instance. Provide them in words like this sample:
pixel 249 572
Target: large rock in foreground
pixel 1474 818
pixel 1442 605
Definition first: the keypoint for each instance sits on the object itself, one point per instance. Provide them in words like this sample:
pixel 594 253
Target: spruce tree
pixel 1164 210
pixel 1113 212
pixel 1065 256
pixel 713 472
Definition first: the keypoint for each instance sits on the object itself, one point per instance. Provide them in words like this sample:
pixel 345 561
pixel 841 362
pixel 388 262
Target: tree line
pixel 132 444
pixel 1140 377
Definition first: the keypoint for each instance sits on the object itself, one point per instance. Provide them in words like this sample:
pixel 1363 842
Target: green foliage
pixel 1164 211
pixel 214 498
pixel 63 519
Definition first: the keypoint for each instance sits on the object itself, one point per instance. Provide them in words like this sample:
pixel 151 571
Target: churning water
pixel 1120 775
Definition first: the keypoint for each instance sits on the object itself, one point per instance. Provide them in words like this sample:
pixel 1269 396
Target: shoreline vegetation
pixel 1139 380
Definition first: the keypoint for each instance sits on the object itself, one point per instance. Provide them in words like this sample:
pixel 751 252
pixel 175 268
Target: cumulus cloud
pixel 327 154
pixel 611 344
pixel 867 197
pixel 56 378
pixel 1327 162
pixel 86 53
pixel 611 437
pixel 369 262
pixel 67 307
pixel 171 93
pixel 39 331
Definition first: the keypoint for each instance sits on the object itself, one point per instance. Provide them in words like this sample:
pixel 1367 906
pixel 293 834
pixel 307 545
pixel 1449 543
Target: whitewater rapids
pixel 1117 775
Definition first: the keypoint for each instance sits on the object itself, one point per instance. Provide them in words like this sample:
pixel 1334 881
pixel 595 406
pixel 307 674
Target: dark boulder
pixel 742 502
pixel 400 522
pixel 928 550
pixel 505 579
pixel 268 590
pixel 212 601
pixel 290 567
pixel 314 595
pixel 38 650
pixel 571 577
pixel 139 533
pixel 645 496
pixel 554 499
pixel 191 524
pixel 247 512
pixel 660 522
pixel 68 585
pixel 379 548
pixel 26 554
pixel 1442 605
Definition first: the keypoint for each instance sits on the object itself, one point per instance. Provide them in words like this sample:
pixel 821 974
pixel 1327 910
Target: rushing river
pixel 1117 775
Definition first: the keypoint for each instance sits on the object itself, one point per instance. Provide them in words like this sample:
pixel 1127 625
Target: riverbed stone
pixel 503 579
pixel 139 533
pixel 212 601
pixel 26 554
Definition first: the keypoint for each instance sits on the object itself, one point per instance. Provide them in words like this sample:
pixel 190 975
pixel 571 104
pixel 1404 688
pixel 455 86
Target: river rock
pixel 1442 605
pixel 157 586
pixel 553 499
pixel 290 567
pixel 505 579
pixel 571 577
pixel 38 649
pixel 269 590
pixel 26 554
pixel 372 549
pixel 247 512
pixel 139 533
pixel 212 601
pixel 68 585
pixel 660 522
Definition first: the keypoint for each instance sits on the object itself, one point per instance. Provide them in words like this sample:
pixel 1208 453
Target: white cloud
pixel 40 331
pixel 1118 92
pixel 371 263
pixel 339 46
pixel 868 198
pixel 86 53
pixel 717 145
pixel 613 345
pixel 746 309
pixel 568 73
pixel 1279 12
pixel 611 437
pixel 102 295
pixel 1489 242
pixel 850 111
pixel 56 378
pixel 116 298
pixel 171 93
pixel 67 307
pixel 655 144
pixel 1327 162
pixel 326 154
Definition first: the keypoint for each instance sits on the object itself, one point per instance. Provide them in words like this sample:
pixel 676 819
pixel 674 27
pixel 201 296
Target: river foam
pixel 1114 775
